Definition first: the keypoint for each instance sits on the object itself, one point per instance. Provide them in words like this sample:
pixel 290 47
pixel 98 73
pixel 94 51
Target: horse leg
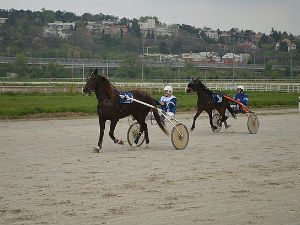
pixel 147 136
pixel 112 130
pixel 224 115
pixel 199 111
pixel 210 119
pixel 224 119
pixel 225 122
pixel 101 133
pixel 142 129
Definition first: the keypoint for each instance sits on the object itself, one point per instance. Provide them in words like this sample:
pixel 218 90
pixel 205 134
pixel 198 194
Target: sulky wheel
pixel 252 123
pixel 133 132
pixel 130 120
pixel 180 136
pixel 216 120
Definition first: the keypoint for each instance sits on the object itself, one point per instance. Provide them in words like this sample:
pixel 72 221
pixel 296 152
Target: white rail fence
pixel 46 87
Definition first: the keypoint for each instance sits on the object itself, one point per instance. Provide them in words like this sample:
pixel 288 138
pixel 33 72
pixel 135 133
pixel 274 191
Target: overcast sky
pixel 257 15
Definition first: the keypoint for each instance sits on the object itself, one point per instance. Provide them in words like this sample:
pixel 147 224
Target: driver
pixel 241 96
pixel 168 101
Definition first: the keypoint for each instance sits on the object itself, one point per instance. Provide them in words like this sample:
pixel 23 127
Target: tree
pixel 135 28
pixel 274 74
pixel 275 35
pixel 283 46
pixel 20 66
pixel 177 47
pixel 188 28
pixel 263 40
pixel 163 48
pixel 191 71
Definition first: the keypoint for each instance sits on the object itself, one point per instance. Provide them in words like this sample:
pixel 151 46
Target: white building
pixel 290 45
pixel 149 24
pixel 245 57
pixel 232 58
pixel 60 29
pixel 170 30
pixel 204 57
pixel 158 30
pixel 211 34
pixel 162 57
pixel 2 20
pixel 94 26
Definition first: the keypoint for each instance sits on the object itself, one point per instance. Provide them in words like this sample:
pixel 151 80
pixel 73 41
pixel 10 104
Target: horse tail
pixel 160 122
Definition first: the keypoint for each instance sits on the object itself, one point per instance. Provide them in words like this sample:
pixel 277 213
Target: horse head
pixel 91 82
pixel 193 86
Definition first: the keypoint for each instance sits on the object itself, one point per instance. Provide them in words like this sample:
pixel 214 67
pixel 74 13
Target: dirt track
pixel 50 175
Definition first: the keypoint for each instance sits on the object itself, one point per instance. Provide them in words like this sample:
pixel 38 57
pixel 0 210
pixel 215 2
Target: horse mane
pixel 110 89
pixel 205 89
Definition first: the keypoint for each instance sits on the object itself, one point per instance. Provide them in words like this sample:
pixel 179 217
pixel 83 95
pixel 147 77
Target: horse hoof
pixel 120 142
pixel 97 149
pixel 134 145
pixel 192 128
pixel 147 146
pixel 227 126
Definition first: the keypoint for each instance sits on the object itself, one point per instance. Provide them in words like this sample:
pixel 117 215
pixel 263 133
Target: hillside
pixel 36 34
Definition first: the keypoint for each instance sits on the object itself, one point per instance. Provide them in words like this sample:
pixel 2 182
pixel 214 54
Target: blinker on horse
pixel 110 108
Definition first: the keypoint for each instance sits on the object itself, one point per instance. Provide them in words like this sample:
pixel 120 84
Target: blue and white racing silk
pixel 123 97
pixel 243 98
pixel 217 98
pixel 170 103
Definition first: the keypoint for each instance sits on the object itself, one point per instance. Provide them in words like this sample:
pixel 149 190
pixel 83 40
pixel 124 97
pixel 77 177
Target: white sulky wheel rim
pixel 132 133
pixel 253 124
pixel 180 136
pixel 216 120
pixel 131 120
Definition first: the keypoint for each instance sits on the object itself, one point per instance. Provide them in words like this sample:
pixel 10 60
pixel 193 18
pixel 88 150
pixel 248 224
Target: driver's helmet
pixel 240 87
pixel 168 88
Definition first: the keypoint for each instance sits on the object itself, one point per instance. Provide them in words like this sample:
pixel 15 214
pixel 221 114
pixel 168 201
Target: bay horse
pixel 207 102
pixel 110 108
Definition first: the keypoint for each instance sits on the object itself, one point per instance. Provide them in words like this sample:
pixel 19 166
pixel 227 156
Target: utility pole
pixel 143 62
pixel 143 70
pixel 107 68
pixel 233 64
pixel 205 59
pixel 8 49
pixel 291 66
pixel 83 72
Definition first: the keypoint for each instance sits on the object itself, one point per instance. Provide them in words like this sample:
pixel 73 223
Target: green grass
pixel 14 105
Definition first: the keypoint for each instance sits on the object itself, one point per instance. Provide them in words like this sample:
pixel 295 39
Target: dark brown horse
pixel 110 108
pixel 207 102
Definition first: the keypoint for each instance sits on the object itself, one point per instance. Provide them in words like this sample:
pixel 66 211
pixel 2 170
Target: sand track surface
pixel 50 175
